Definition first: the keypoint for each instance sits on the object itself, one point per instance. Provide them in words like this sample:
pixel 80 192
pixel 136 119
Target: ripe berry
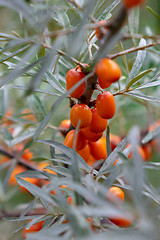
pixel 18 169
pixel 80 140
pixel 64 126
pixel 132 3
pixel 81 112
pixel 98 31
pixel 98 149
pixel 121 221
pixel 115 141
pixel 106 105
pixel 90 136
pixel 108 72
pixel 115 194
pixel 74 76
pixel 98 124
pixel 86 155
pixel 34 228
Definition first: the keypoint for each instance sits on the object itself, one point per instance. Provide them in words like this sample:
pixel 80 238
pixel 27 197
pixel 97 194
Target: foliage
pixel 49 38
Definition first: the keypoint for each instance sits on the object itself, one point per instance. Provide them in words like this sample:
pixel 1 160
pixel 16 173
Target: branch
pixel 20 160
pixel 130 50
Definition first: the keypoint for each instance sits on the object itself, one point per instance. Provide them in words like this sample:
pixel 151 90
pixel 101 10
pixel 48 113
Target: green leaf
pixel 67 151
pixel 151 135
pixel 35 191
pixel 21 7
pixel 28 134
pixel 55 105
pixel 139 60
pixel 144 97
pixel 153 12
pixel 138 77
pixel 108 141
pixel 113 156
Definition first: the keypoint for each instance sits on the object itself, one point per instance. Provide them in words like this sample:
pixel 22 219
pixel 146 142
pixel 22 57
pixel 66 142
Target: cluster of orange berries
pixel 91 123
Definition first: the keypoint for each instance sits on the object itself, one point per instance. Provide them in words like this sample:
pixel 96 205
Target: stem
pixel 134 49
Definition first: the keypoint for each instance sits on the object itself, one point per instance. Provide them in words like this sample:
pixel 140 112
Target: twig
pixel 20 160
pixel 33 212
pixel 130 50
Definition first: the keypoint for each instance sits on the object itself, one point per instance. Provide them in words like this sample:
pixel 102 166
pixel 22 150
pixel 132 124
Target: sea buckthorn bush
pixel 79 119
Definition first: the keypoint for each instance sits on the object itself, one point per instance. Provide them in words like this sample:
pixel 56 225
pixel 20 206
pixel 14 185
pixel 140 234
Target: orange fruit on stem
pixel 34 228
pixel 74 76
pixel 86 155
pixel 108 72
pixel 98 149
pixel 132 3
pixel 97 124
pixel 18 169
pixel 98 31
pixel 80 140
pixel 90 136
pixel 121 221
pixel 106 105
pixel 82 113
pixel 115 194
pixel 115 141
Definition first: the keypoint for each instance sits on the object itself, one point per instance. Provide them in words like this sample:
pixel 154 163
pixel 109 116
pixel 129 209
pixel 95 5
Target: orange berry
pixel 82 113
pixel 90 136
pixel 98 124
pixel 80 140
pixel 121 221
pixel 18 169
pixel 98 149
pixel 27 155
pixel 115 194
pixel 108 72
pixel 34 228
pixel 74 76
pixel 34 181
pixel 86 155
pixel 28 115
pixel 106 105
pixel 98 32
pixel 69 200
pixel 140 151
pixel 42 165
pixel 115 141
pixel 65 124
pixel 104 85
pixel 132 3
pixel 147 151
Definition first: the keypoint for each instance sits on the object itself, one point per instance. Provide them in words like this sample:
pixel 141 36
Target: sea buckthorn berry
pixel 121 221
pixel 64 126
pixel 90 136
pixel 132 3
pixel 81 112
pixel 34 228
pixel 107 71
pixel 104 85
pixel 147 151
pixel 80 140
pixel 140 151
pixel 98 149
pixel 106 105
pixel 98 124
pixel 115 194
pixel 74 76
pixel 18 169
pixel 27 155
pixel 98 32
pixel 86 155
pixel 115 141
